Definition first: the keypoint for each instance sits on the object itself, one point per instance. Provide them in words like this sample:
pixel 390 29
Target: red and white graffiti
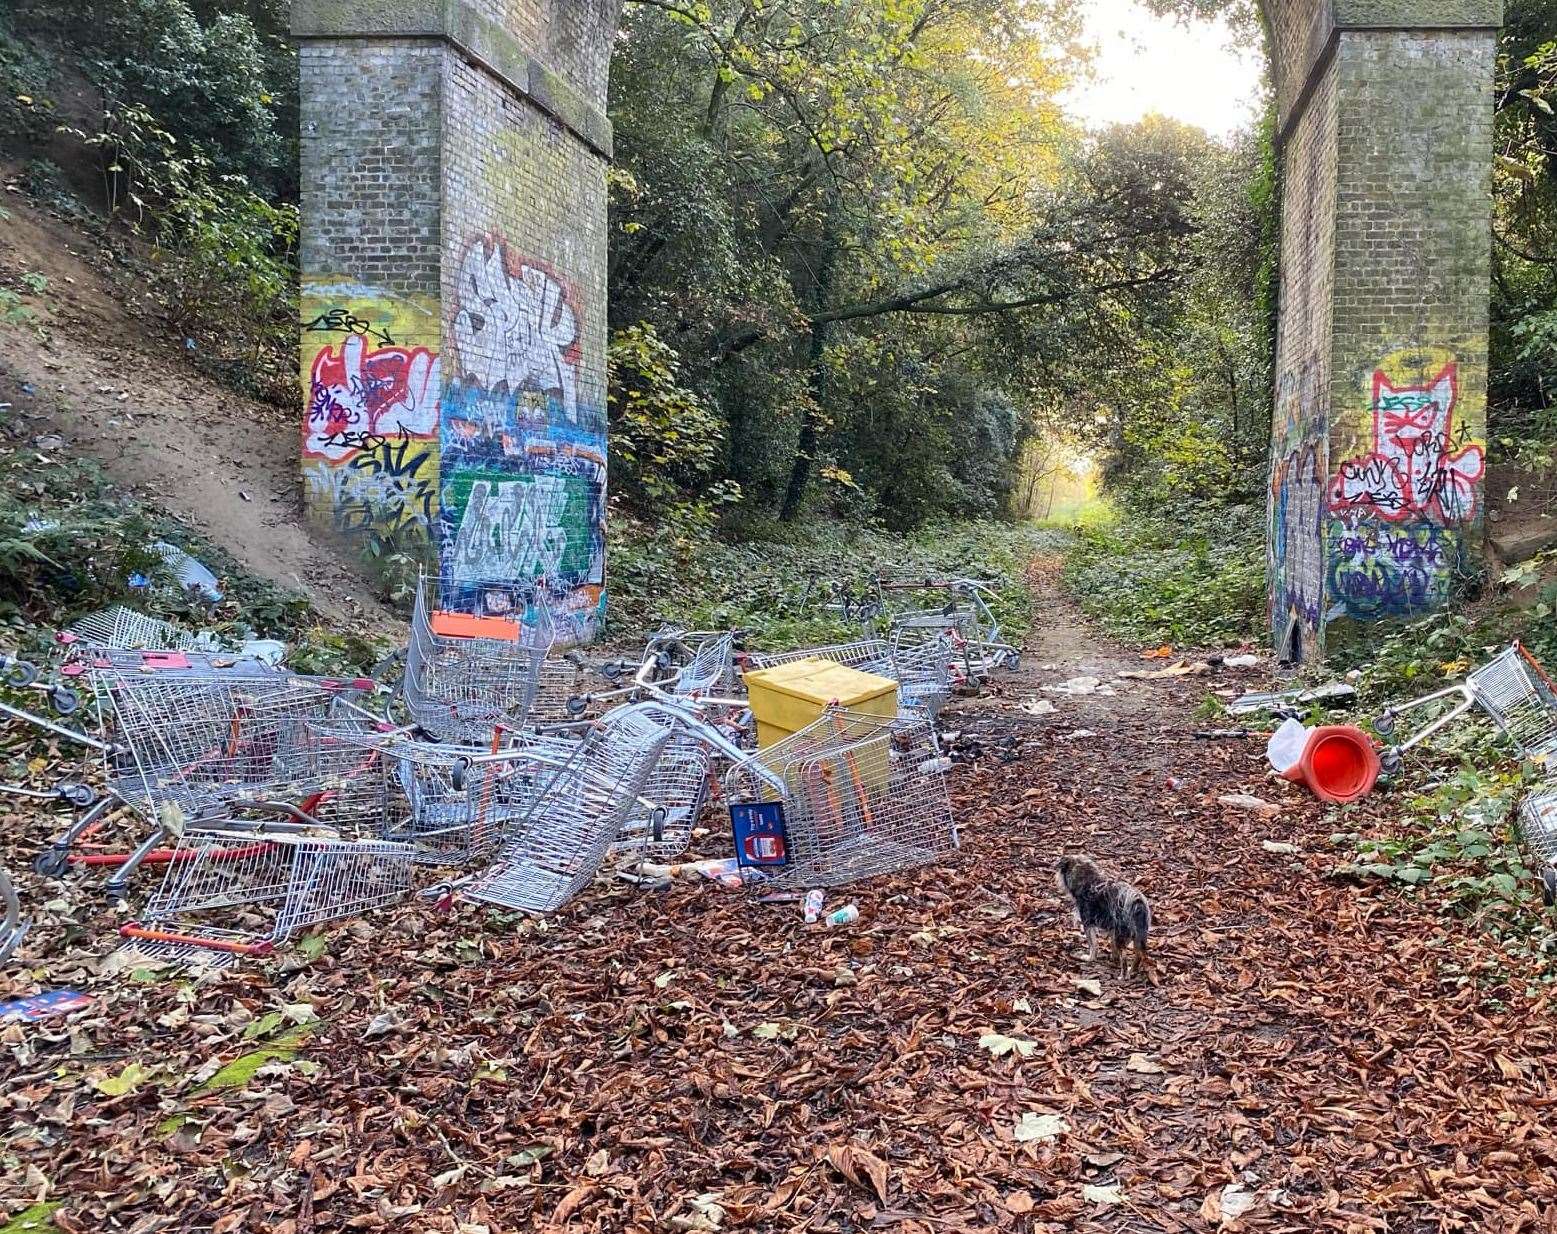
pixel 1414 470
pixel 358 393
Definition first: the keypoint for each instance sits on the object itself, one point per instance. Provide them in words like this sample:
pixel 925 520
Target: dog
pixel 1106 904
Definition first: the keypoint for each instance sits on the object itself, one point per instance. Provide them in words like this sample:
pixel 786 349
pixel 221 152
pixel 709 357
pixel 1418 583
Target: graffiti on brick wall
pixel 1390 569
pixel 523 433
pixel 371 388
pixel 1296 554
pixel 1294 536
pixel 1399 503
pixel 1421 465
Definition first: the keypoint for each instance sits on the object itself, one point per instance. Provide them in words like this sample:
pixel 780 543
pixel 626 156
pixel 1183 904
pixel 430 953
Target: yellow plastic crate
pixel 787 697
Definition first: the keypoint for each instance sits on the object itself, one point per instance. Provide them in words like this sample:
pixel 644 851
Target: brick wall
pixel 1299 433
pixel 452 353
pixel 1409 354
pixel 1380 410
pixel 523 442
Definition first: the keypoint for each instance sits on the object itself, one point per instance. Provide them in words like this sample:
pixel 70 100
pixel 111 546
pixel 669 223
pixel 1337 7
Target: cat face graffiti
pixel 1414 470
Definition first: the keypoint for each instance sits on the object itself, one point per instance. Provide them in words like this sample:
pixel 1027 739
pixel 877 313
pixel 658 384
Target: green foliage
pixel 1198 583
pixel 665 438
pixel 208 81
pixel 26 75
pixel 224 258
pixel 780 580
pixel 1522 413
pixel 873 241
pixel 1457 843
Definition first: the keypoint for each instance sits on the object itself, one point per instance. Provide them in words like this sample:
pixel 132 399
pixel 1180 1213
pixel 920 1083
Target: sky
pixel 1195 73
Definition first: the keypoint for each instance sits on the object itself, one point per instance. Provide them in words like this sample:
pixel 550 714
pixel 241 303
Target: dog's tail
pixel 1138 913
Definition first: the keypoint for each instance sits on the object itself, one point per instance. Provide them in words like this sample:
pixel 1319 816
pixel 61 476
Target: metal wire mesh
pixel 660 821
pixel 710 668
pixel 202 742
pixel 583 798
pixel 123 628
pixel 863 795
pixel 921 668
pixel 475 656
pixel 253 889
pixel 1515 692
pixel 1538 823
pixel 869 655
pixel 419 793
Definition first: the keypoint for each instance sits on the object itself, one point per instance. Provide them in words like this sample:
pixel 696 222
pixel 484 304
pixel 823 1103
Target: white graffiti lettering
pixel 514 328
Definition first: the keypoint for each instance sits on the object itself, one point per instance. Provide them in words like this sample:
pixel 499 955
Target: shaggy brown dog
pixel 1106 904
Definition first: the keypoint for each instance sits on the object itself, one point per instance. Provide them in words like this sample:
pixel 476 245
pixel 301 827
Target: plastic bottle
pixel 843 916
pixel 813 905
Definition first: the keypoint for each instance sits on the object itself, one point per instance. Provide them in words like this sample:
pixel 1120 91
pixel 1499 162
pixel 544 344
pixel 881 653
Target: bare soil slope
pixel 101 377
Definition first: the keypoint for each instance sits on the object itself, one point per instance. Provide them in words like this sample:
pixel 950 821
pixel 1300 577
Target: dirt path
pixel 1312 1055
pixel 107 383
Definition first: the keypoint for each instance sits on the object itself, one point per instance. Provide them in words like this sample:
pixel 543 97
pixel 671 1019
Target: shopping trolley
pixel 1512 688
pixel 89 672
pixel 425 794
pixel 847 797
pixel 965 620
pixel 121 628
pixel 475 655
pixel 580 804
pixel 236 890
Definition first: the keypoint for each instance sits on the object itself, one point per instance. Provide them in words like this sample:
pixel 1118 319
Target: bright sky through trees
pixel 1201 73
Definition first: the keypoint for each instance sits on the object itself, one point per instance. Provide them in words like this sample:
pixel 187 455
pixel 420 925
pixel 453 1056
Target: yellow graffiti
pixel 371 385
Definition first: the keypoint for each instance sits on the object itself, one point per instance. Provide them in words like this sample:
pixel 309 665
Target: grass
pixel 1150 581
pixel 778 584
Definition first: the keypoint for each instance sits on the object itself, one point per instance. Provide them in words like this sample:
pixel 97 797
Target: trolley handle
pixel 134 929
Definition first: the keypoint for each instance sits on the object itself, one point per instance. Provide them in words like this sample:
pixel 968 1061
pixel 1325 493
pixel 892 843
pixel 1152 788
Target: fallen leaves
pixel 999 1045
pixel 127 1080
pixel 859 1167
pixel 1034 1126
pixel 1319 1056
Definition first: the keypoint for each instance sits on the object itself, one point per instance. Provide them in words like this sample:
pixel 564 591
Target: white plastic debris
pixel 1081 685
pixel 1243 801
pixel 1243 661
pixel 1286 744
pixel 191 574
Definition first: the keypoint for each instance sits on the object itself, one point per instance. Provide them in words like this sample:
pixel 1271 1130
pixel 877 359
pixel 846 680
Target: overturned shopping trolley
pixel 234 890
pixel 1512 688
pixel 845 798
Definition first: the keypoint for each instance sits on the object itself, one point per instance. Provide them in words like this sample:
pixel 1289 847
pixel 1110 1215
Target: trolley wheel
pixel 64 700
pixel 19 673
pixel 1385 726
pixel 1389 760
pixel 457 774
pixel 577 706
pixel 79 795
pixel 1549 886
pixel 116 892
pixel 51 863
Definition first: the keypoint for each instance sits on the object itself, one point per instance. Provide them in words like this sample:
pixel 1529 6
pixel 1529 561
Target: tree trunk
pixel 805 447
pixel 816 379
